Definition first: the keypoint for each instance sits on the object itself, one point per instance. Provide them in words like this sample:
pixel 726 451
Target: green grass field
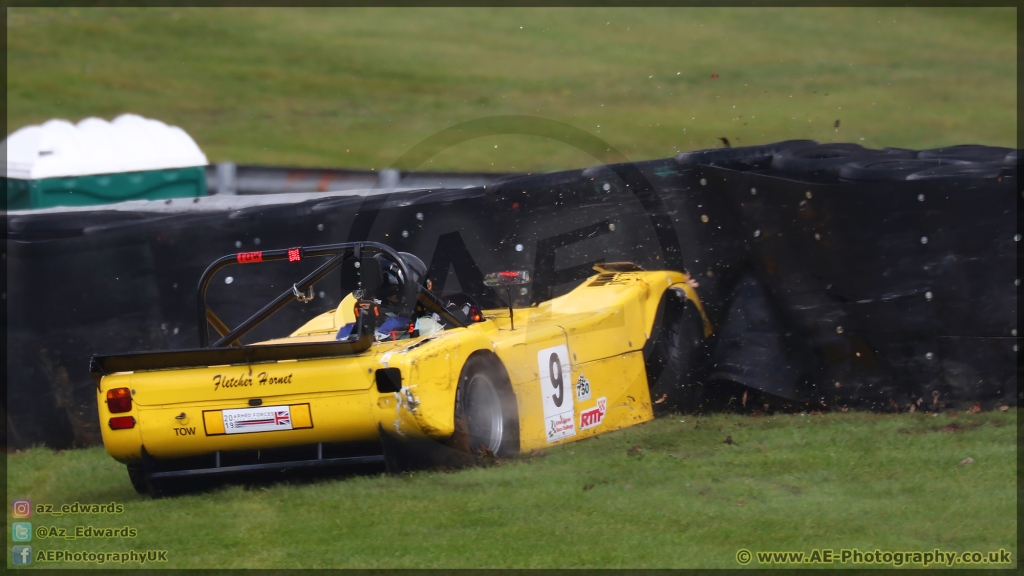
pixel 358 87
pixel 687 499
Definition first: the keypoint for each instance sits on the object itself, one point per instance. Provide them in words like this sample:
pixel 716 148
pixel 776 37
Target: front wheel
pixel 486 414
pixel 670 355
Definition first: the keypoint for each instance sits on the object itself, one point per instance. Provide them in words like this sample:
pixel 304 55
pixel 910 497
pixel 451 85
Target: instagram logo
pixel 21 508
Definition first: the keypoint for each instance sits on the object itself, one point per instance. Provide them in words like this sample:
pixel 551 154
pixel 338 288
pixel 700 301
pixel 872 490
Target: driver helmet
pixel 390 291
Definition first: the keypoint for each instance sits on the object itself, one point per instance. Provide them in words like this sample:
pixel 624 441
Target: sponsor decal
pixel 263 419
pixel 594 416
pixel 582 389
pixel 558 404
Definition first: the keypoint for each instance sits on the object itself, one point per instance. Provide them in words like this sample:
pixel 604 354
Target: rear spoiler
pixel 359 342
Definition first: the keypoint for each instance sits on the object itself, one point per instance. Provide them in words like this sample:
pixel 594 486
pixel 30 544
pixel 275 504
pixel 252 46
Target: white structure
pixel 130 143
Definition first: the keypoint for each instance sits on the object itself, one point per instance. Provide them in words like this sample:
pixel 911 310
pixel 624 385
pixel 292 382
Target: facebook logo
pixel 21 531
pixel 22 555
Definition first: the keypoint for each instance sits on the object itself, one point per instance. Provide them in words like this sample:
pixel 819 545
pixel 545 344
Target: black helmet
pixel 391 289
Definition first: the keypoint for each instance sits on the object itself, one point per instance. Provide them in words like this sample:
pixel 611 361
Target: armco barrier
pixel 822 292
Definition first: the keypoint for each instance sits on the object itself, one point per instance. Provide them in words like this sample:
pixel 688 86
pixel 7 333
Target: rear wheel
pixel 138 478
pixel 670 354
pixel 486 414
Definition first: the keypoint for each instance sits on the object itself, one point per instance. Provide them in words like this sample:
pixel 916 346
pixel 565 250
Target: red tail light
pixel 122 422
pixel 119 400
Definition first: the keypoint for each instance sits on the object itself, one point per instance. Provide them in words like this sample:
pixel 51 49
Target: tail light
pixel 119 400
pixel 122 422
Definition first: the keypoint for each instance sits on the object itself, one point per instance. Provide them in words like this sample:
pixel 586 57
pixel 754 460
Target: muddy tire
pixel 670 355
pixel 486 413
pixel 138 478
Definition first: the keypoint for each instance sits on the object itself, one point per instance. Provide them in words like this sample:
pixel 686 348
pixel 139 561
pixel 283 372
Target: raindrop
pixel 703 217
pixel 238 243
pixel 920 197
pixel 1016 237
pixel 927 295
pixel 611 227
pixel 405 233
pixel 709 273
pixel 163 326
pixel 322 294
pixel 1013 332
pixel 929 355
pixel 817 236
pixel 606 187
pixel 175 285
pixel 523 291
pixel 808 194
pixel 229 280
pixel 757 233
pixel 256 241
pixel 839 329
pixel 924 239
pixel 703 182
pixel 753 191
pixel 1016 282
pixel 1014 347
pixel 419 215
pixel 175 330
pixel 519 247
pixel 320 227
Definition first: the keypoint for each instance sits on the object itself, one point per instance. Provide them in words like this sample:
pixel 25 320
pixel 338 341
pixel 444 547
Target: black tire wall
pixel 82 283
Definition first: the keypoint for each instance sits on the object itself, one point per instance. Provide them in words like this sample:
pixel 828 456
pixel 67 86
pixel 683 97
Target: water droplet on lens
pixel 611 227
pixel 319 226
pixel 256 241
pixel 753 191
pixel 238 243
pixel 808 194
pixel 839 329
pixel 405 233
pixel 920 197
pixel 606 187
pixel 419 215
pixel 703 182
pixel 924 239
pixel 703 217
pixel 519 247
pixel 229 280
pixel 757 233
pixel 929 355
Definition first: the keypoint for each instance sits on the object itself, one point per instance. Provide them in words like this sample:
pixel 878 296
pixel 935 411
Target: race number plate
pixel 556 389
pixel 262 419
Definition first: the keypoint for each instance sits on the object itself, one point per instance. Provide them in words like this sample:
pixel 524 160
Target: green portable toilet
pixel 98 162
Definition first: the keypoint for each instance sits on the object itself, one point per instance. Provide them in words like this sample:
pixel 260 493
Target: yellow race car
pixel 398 375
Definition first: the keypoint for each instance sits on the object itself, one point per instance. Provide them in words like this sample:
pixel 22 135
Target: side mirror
pixel 496 279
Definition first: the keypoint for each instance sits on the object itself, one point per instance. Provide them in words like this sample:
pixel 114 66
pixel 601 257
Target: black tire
pixel 670 355
pixel 969 153
pixel 742 158
pixel 964 170
pixel 486 413
pixel 889 170
pixel 138 478
pixel 824 162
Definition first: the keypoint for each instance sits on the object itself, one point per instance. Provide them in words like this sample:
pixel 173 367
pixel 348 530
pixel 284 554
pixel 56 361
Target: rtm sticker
pixel 582 389
pixel 594 416
pixel 554 381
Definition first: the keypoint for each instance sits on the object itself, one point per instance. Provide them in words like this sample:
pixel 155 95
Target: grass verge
pixel 685 498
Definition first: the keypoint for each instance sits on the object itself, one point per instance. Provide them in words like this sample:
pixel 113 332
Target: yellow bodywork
pixel 603 325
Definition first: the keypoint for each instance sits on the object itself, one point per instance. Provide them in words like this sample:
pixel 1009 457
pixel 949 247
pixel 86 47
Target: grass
pixel 358 87
pixel 687 499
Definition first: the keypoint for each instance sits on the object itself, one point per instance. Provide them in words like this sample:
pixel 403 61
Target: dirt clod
pixel 730 441
pixel 634 450
pixel 966 461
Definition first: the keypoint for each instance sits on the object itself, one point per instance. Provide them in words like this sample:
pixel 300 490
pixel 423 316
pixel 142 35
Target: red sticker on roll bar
pixel 247 257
